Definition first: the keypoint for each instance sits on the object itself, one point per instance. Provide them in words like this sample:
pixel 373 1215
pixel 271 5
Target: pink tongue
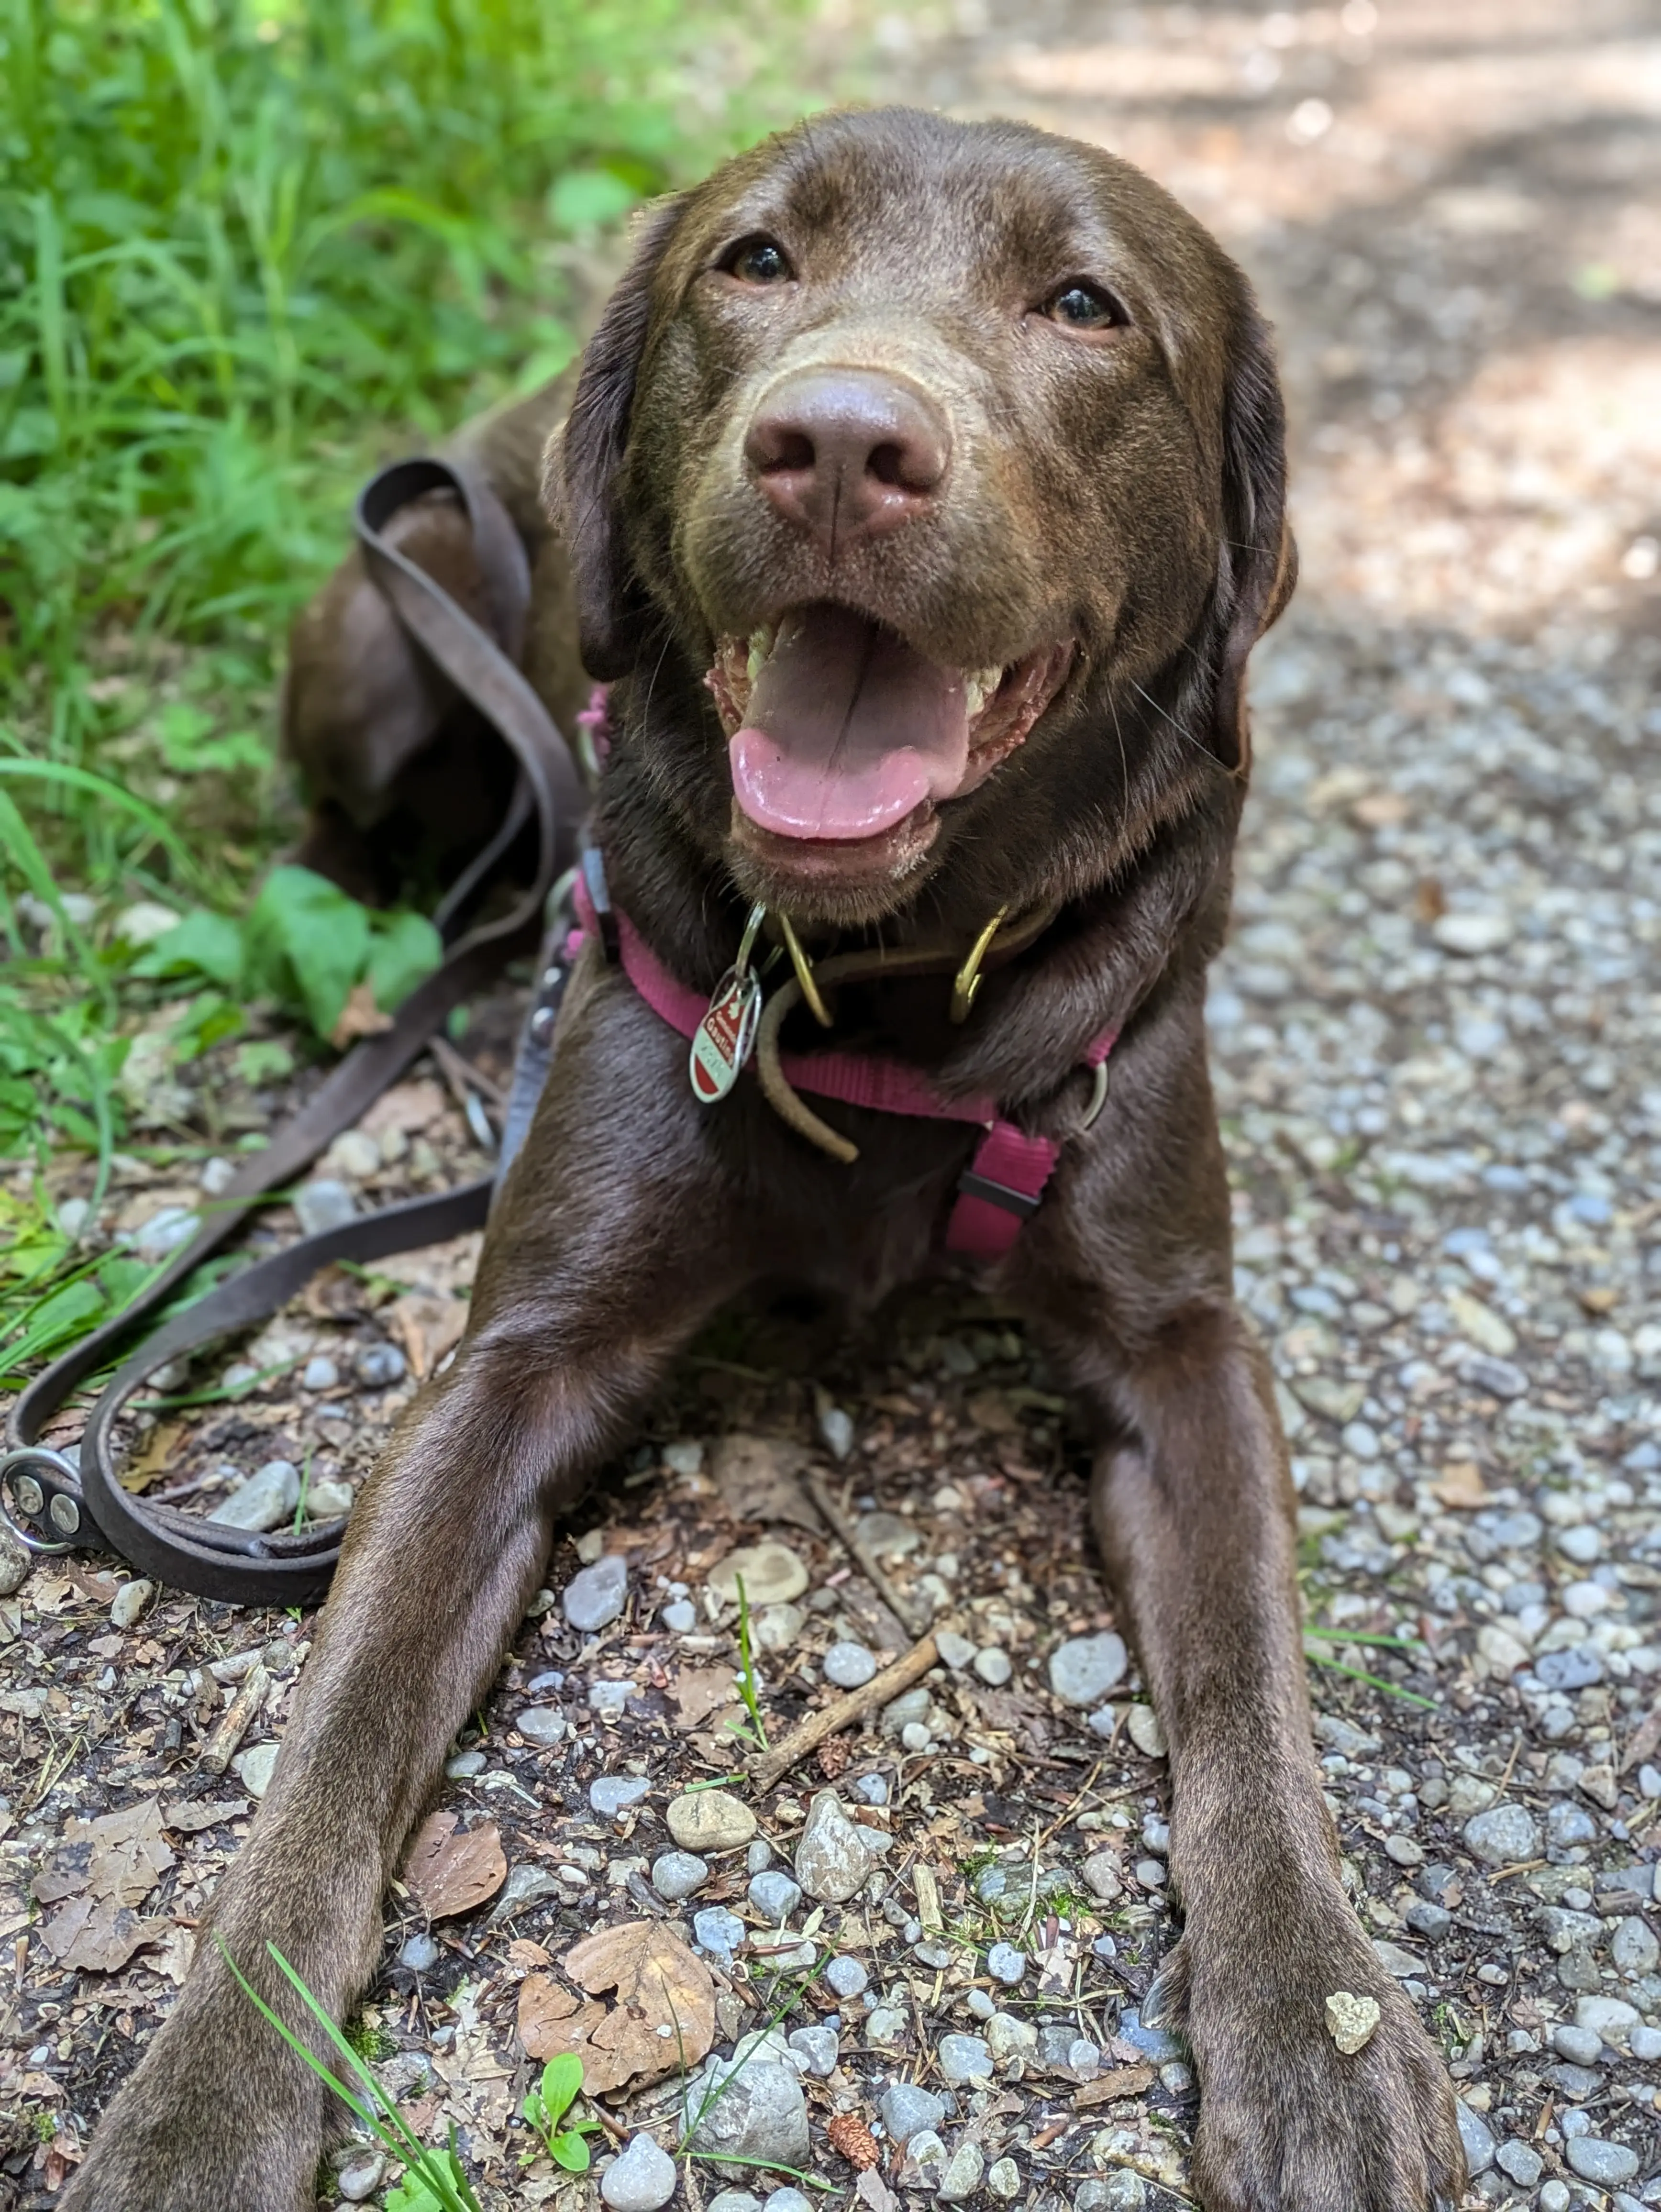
pixel 849 730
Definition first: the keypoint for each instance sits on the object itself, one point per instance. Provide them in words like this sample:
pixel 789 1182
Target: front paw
pixel 1289 2122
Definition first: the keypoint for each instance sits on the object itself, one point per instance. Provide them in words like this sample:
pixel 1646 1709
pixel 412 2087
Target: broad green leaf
pixel 562 2081
pixel 206 944
pixel 571 2151
pixel 406 948
pixel 307 940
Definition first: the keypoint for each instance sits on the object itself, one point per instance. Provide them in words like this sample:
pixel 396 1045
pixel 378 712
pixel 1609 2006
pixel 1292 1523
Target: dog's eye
pixel 757 261
pixel 1082 307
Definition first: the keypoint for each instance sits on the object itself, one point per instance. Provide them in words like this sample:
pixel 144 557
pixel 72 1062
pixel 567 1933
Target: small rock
pixel 1143 1724
pixel 956 1651
pixel 130 1599
pixel 992 1666
pixel 1477 2137
pixel 681 1617
pixel 1472 933
pixel 776 1627
pixel 1003 2178
pixel 1007 1965
pixel 787 2200
pixel 378 1366
pixel 641 2180
pixel 1646 2044
pixel 418 1953
pixel 963 2169
pixel 542 1724
pixel 1519 2163
pixel 264 1501
pixel 1154 2042
pixel 832 1859
pixel 679 1874
pixel 718 1930
pixel 329 1500
pixel 710 1820
pixel 1503 1835
pixel 850 1666
pixel 1114 2192
pixel 611 1793
pixel 771 1573
pixel 1431 1921
pixel 1008 2038
pixel 1554 2197
pixel 1597 2160
pixel 319 1374
pixel 354 1154
pixel 254 1768
pixel 1607 2018
pixel 1084 1669
pixel 462 1765
pixel 837 1430
pixel 1351 2020
pixel 609 1701
pixel 323 1205
pixel 923 2165
pixel 14 1562
pixel 1102 1876
pixel 775 1896
pixel 360 2173
pixel 734 2200
pixel 846 1976
pixel 964 2059
pixel 1633 1950
pixel 758 1857
pixel 760 2113
pixel 1568 1824
pixel 887 2024
pixel 1579 2045
pixel 818 2048
pixel 595 1595
pixel 906 2110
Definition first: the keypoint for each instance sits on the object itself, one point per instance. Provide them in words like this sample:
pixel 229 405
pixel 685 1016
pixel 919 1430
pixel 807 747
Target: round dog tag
pixel 723 1040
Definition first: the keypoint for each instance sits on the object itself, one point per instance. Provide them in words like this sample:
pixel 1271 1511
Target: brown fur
pixel 1131 492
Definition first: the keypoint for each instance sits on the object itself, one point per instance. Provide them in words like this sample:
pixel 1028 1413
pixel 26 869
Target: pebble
pixel 319 1373
pixel 378 1366
pixel 956 1651
pixel 1579 2045
pixel 254 1768
pixel 329 1500
pixel 774 1895
pixel 1554 2197
pixel 1610 2018
pixel 609 1701
pixel 850 1666
pixel 641 2180
pixel 887 2024
pixel 1351 2020
pixel 594 1595
pixel 462 1765
pixel 771 1573
pixel 1085 1669
pixel 1142 1725
pixel 832 1860
pixel 906 2110
pixel 15 1560
pixel 964 2059
pixel 542 1724
pixel 710 1820
pixel 992 1666
pixel 679 1874
pixel 776 1627
pixel 758 1857
pixel 1520 2162
pixel 1155 2043
pixel 418 1952
pixel 717 1930
pixel 837 1428
pixel 1503 1835
pixel 360 2173
pixel 130 1601
pixel 761 2112
pixel 787 2200
pixel 1007 1965
pixel 1003 2178
pixel 818 2048
pixel 964 2170
pixel 264 1501
pixel 1103 1877
pixel 1595 2159
pixel 1477 2137
pixel 924 2164
pixel 1008 2038
pixel 734 2200
pixel 681 1616
pixel 846 1976
pixel 611 1793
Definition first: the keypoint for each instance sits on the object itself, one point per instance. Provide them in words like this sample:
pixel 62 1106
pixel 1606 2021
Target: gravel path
pixel 1435 1033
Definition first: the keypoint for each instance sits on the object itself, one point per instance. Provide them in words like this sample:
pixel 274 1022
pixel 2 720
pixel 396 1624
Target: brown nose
pixel 847 452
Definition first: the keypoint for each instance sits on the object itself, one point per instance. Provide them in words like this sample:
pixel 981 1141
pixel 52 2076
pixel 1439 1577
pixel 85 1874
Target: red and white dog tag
pixel 724 1038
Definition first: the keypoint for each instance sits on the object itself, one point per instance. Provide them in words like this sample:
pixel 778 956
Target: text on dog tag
pixel 723 1040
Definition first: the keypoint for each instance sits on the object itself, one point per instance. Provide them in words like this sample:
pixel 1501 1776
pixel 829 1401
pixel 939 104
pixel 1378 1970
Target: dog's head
pixel 950 458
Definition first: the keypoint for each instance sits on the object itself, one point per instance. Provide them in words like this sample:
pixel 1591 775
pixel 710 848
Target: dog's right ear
pixel 580 466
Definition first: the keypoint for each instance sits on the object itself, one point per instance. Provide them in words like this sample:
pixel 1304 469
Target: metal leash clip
pixel 47 1490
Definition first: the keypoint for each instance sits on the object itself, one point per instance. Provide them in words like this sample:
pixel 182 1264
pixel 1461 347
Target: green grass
pixel 248 249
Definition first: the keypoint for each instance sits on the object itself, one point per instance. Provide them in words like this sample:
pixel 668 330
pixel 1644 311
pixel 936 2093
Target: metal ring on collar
pixel 1097 1096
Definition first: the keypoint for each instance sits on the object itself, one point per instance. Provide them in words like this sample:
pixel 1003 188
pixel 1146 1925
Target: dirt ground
pixel 1435 1038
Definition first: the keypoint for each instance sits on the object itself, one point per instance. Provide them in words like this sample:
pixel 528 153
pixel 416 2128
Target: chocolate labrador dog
pixel 922 491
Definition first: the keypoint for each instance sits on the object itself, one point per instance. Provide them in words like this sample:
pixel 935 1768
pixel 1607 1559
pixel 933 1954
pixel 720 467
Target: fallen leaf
pixel 406 1106
pixel 120 1858
pixel 1461 1485
pixel 522 1951
pixel 155 1459
pixel 190 1817
pixel 450 1870
pixel 427 1327
pixel 98 1934
pixel 1107 2089
pixel 701 1690
pixel 359 1018
pixel 664 2017
pixel 873 2192
pixel 758 1477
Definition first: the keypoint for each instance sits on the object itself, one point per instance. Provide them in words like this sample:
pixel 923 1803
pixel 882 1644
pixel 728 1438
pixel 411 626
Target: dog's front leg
pixel 586 1292
pixel 1194 1507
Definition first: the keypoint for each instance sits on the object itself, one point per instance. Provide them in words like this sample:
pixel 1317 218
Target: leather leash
pixel 54 1505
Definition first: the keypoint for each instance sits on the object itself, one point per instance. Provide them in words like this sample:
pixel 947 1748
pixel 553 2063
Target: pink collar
pixel 1002 1184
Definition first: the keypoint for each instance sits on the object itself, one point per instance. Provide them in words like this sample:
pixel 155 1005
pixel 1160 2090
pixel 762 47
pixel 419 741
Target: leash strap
pixel 55 1503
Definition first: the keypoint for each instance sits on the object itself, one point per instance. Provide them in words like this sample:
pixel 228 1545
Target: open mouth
pixel 839 731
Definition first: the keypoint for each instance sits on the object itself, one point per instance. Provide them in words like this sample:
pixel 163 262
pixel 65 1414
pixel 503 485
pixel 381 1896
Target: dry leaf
pixel 98 1934
pixel 759 1478
pixel 191 1815
pixel 701 1690
pixel 522 1951
pixel 871 2191
pixel 449 1870
pixel 120 1858
pixel 1462 1485
pixel 427 1327
pixel 406 1106
pixel 359 1018
pixel 1108 2088
pixel 156 1458
pixel 663 2017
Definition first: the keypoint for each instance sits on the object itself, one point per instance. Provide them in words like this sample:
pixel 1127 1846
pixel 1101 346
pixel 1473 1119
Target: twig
pixel 234 1721
pixel 881 1690
pixel 460 1075
pixel 847 1534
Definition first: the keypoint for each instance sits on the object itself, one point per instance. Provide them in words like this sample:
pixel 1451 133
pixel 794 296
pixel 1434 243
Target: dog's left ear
pixel 1259 564
pixel 580 467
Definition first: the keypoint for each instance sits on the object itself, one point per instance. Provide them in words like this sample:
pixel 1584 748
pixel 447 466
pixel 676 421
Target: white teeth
pixel 979 688
pixel 761 644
